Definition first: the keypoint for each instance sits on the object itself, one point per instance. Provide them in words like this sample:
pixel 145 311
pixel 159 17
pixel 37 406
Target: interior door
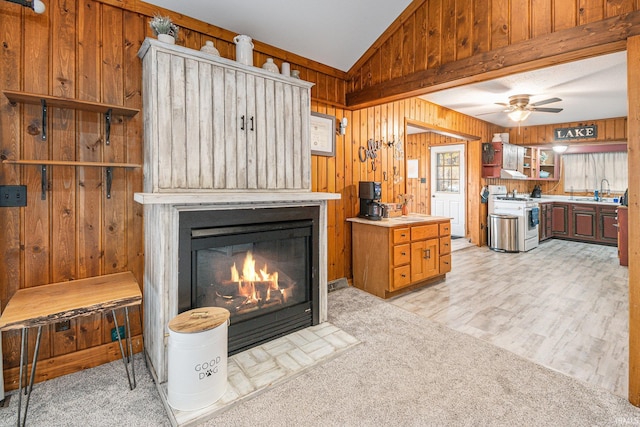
pixel 448 185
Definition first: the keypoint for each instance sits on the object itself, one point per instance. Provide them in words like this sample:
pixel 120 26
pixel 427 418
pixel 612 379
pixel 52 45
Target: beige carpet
pixel 407 371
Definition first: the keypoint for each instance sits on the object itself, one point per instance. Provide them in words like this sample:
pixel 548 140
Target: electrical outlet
pixel 114 334
pixel 13 195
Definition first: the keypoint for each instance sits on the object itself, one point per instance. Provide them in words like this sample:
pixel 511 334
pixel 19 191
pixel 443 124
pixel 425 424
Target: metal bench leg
pixel 23 364
pixel 124 359
pixel 130 340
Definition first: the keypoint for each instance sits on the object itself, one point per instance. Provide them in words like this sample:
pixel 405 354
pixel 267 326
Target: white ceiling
pixel 333 32
pixel 594 88
pixel 337 33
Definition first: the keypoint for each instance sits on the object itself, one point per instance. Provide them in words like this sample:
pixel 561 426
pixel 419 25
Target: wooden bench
pixel 57 302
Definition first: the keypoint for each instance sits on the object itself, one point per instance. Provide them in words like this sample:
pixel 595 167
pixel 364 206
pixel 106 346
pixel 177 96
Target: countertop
pixel 399 221
pixel 607 201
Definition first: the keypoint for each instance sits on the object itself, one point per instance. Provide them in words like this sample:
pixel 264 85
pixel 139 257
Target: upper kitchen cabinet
pixel 217 124
pixel 549 165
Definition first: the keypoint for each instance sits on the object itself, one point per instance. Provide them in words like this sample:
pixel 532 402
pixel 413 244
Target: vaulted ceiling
pixel 338 33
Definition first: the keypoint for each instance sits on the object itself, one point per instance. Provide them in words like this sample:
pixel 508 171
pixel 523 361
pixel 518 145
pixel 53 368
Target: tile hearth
pixel 279 360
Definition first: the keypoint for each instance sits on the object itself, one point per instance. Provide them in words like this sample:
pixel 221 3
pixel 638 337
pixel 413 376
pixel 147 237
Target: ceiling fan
pixel 519 107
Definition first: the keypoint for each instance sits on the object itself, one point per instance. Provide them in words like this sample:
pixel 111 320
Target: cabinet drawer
pixel 445 263
pixel 445 245
pixel 401 276
pixel 421 232
pixel 401 254
pixel 401 235
pixel 445 229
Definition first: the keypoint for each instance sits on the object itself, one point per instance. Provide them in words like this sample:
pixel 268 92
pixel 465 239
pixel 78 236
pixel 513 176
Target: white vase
pixel 209 48
pixel 166 38
pixel 244 49
pixel 270 66
pixel 295 74
pixel 286 69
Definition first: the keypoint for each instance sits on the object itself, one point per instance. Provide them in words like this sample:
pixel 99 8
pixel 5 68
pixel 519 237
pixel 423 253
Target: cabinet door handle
pixel 403 253
pixel 251 123
pixel 427 253
pixel 242 123
pixel 446 262
pixel 403 235
pixel 403 275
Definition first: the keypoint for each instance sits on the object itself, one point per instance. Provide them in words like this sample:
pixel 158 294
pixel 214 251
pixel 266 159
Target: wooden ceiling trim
pixel 581 42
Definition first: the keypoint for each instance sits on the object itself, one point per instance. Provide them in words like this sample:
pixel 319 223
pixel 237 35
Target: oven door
pixel 531 223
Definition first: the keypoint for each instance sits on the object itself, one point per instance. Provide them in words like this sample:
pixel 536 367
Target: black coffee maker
pixel 370 193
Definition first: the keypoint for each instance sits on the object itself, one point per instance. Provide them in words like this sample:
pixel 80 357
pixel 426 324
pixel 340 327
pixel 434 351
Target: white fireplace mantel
pixel 162 216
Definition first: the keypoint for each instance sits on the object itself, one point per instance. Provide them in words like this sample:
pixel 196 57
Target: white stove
pixel 525 208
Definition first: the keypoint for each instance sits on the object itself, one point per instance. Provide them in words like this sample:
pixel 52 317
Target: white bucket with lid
pixel 197 358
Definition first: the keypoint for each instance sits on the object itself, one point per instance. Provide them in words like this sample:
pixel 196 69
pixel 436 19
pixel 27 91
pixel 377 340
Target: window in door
pixel 448 172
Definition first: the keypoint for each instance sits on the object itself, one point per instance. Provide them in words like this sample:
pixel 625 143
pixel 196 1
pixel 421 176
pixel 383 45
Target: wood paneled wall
pixel 386 122
pixel 87 50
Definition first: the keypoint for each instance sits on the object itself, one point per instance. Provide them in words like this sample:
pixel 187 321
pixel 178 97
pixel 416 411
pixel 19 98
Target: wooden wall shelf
pixel 54 101
pixel 46 101
pixel 71 163
pixel 44 163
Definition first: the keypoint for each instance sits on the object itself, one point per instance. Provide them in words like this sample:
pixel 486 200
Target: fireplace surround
pixel 162 236
pixel 201 157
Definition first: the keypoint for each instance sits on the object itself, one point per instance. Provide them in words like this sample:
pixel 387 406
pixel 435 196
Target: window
pixel 585 172
pixel 448 173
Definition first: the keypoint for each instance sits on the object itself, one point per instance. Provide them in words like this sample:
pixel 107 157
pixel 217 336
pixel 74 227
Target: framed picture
pixel 323 134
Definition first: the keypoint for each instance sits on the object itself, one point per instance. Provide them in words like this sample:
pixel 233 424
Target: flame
pixel 246 281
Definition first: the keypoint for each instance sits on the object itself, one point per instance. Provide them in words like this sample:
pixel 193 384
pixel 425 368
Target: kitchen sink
pixel 590 199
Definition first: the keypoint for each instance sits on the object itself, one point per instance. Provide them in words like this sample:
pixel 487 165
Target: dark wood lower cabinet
pixel 560 219
pixel 581 222
pixel 545 230
pixel 607 224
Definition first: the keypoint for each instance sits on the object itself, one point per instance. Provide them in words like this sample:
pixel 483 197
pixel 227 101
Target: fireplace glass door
pixel 262 273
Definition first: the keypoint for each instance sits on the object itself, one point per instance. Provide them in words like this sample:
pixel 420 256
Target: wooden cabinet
pixel 396 257
pixel 583 222
pixel 545 230
pixel 491 159
pixel 548 165
pixel 215 124
pixel 560 219
pixel 607 225
pixel 623 235
pixel 579 221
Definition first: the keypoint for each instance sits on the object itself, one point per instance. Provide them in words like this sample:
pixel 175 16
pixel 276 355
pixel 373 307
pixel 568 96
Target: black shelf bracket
pixel 43 182
pixel 109 173
pixel 43 102
pixel 107 122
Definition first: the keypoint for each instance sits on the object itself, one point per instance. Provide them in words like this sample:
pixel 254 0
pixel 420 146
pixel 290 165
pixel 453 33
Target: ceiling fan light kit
pixel 519 108
pixel 519 115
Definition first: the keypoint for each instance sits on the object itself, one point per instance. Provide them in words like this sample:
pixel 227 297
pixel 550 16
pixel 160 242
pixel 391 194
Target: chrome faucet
pixel 602 187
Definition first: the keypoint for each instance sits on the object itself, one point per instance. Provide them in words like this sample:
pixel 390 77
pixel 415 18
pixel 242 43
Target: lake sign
pixel 576 132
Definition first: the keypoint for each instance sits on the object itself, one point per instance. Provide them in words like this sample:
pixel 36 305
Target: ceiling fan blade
pixel 546 101
pixel 491 112
pixel 547 110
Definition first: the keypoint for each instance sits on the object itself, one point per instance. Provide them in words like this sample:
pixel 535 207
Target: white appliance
pixel 500 202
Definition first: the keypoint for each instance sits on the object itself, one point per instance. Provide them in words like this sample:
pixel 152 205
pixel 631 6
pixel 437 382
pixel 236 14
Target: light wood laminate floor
pixel 563 305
